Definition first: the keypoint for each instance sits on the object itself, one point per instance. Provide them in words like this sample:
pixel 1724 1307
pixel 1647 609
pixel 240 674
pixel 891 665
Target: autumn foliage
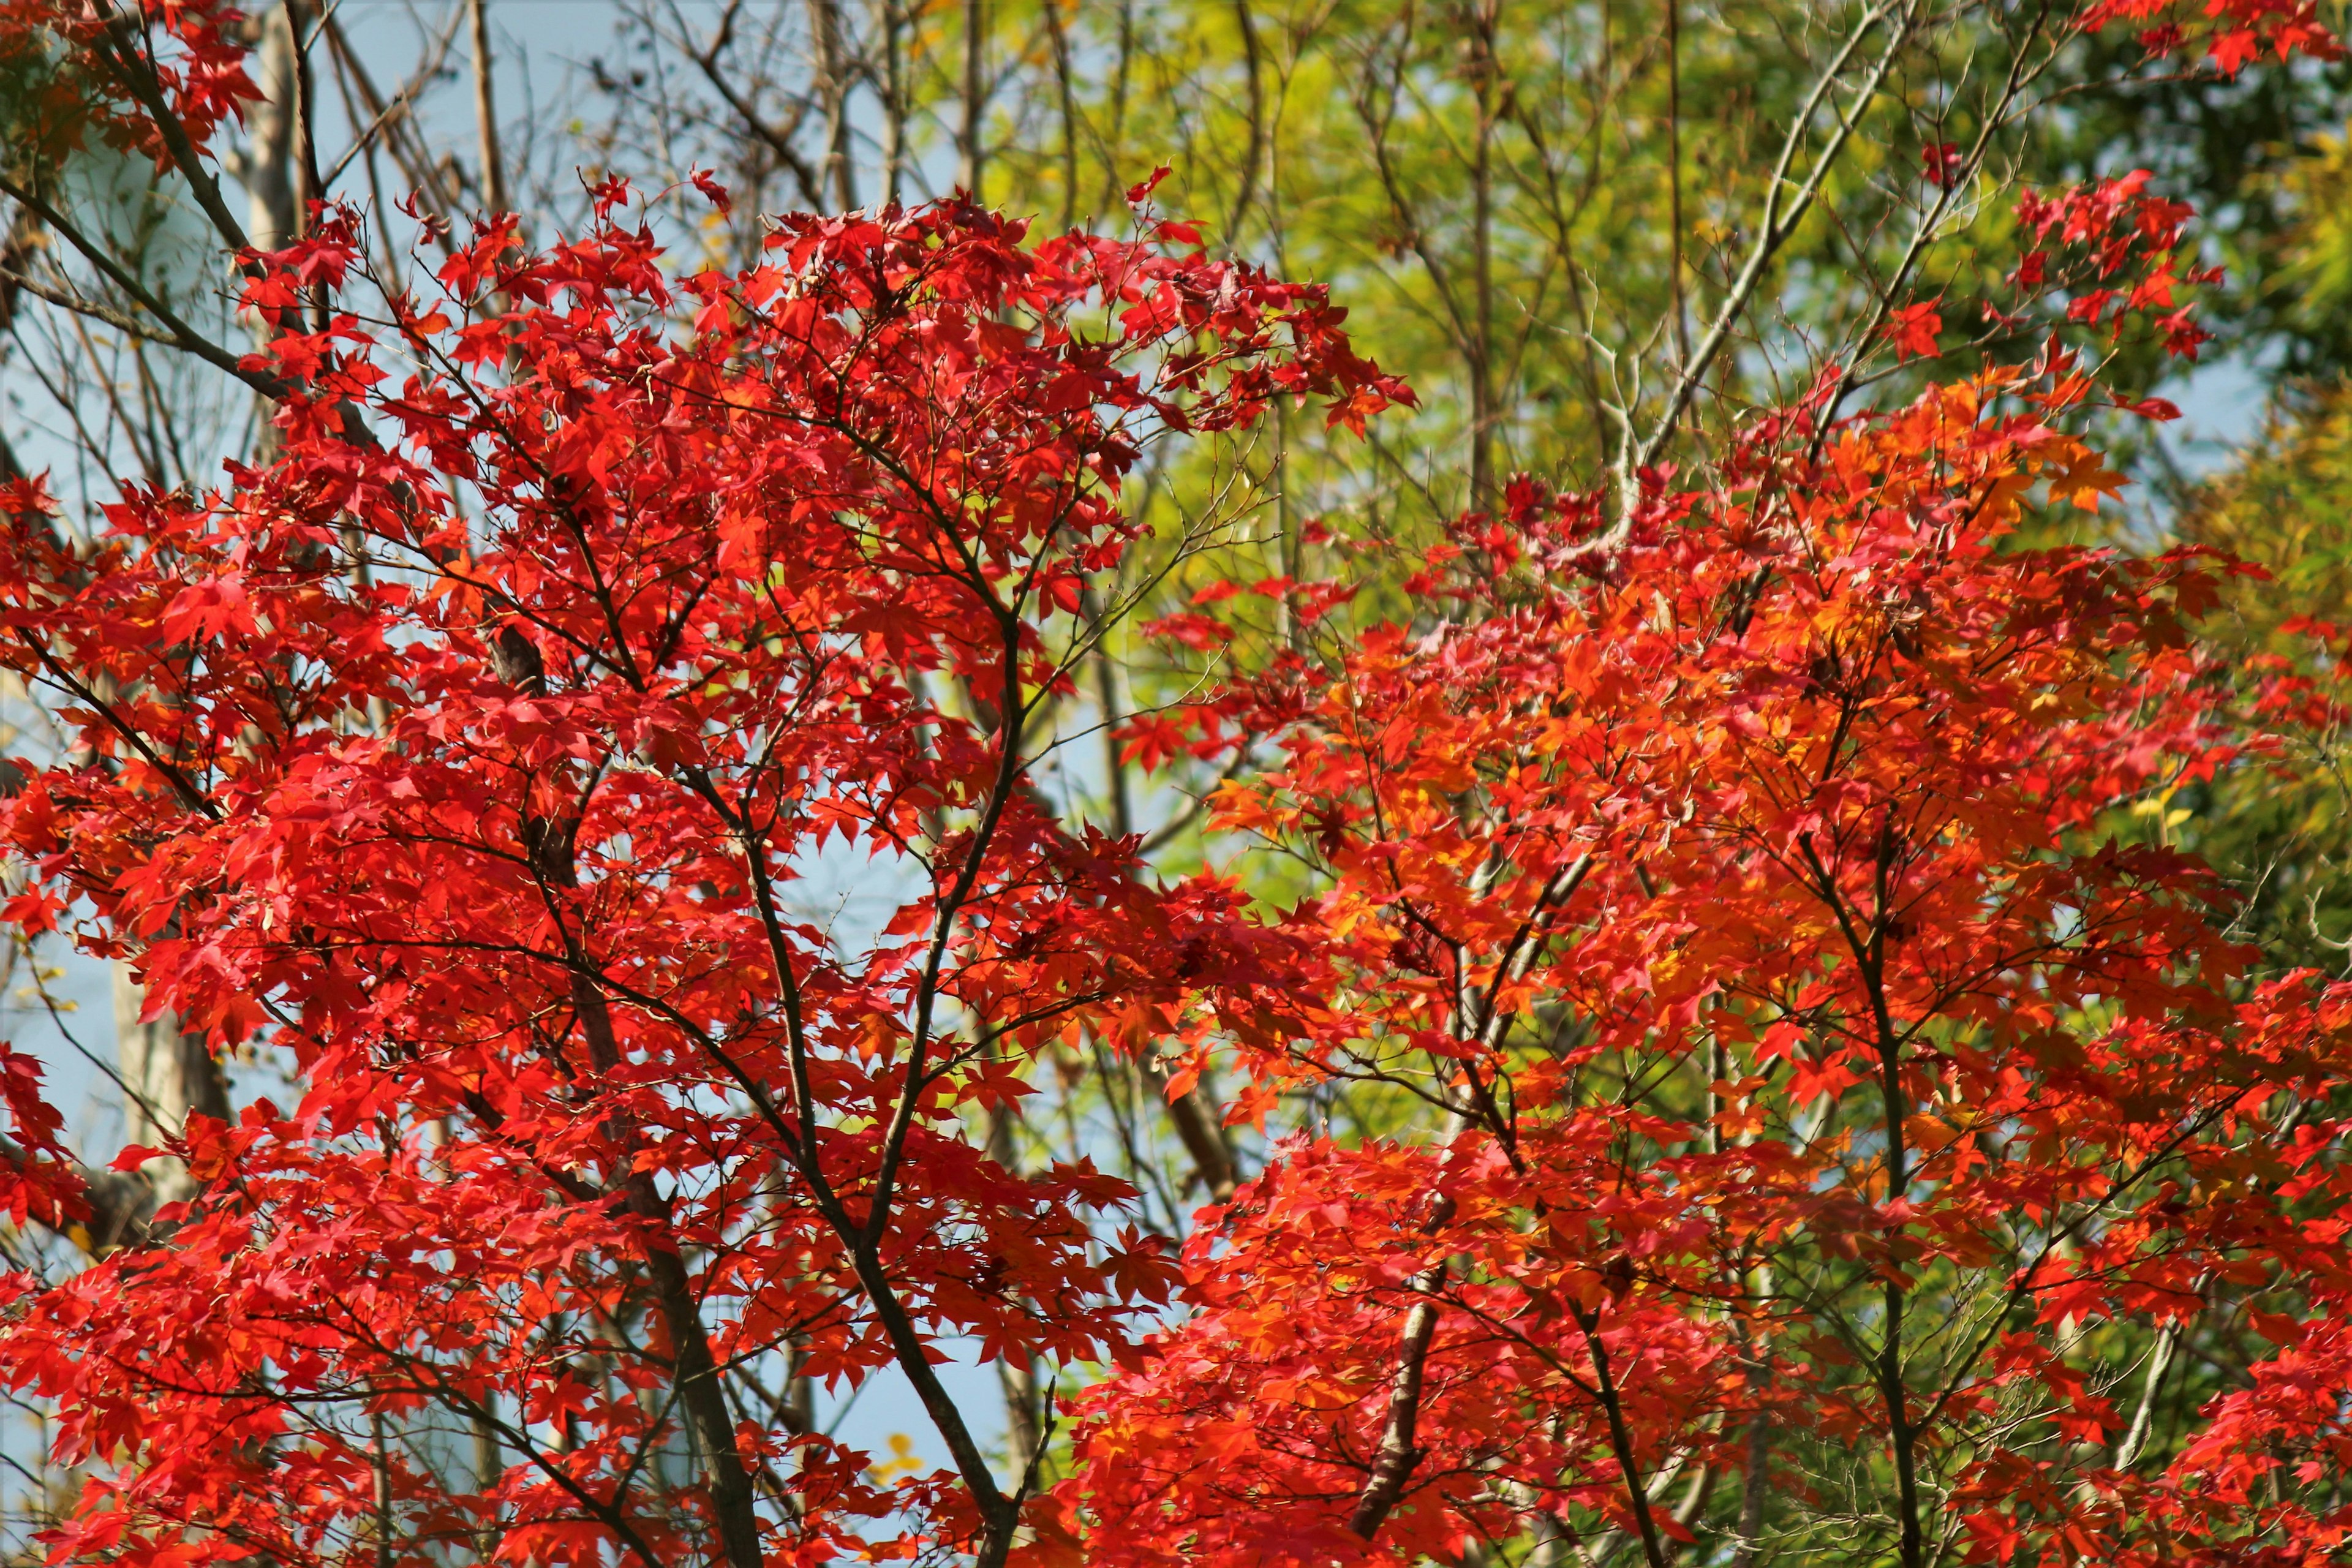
pixel 1819 1065
pixel 1839 1086
pixel 639 632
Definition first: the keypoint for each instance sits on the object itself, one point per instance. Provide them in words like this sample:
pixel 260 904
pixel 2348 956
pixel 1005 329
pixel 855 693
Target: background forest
pixel 1601 243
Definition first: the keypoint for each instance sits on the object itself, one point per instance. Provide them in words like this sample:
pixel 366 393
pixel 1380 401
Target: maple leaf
pixel 1913 330
pixel 1942 162
pixel 713 192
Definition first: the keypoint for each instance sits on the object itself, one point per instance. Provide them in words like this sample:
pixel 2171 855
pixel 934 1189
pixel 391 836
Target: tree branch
pixel 1776 228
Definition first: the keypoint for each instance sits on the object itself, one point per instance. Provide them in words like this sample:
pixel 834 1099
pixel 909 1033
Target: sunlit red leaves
pixel 2116 254
pixel 1247 1432
pixel 487 814
pixel 1913 330
pixel 36 1177
pixel 1806 759
pixel 1832 750
pixel 2232 34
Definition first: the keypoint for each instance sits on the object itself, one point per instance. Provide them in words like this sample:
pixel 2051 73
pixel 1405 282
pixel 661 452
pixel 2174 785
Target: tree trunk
pixel 830 79
pixel 1025 1434
pixel 486 110
pixel 165 1074
pixel 971 156
pixel 266 165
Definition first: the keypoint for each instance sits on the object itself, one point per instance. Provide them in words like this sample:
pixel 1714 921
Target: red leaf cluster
pixel 1754 909
pixel 471 765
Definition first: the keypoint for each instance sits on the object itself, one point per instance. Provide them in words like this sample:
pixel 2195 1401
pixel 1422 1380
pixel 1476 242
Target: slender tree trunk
pixel 380 1444
pixel 894 103
pixel 800 1391
pixel 1620 1440
pixel 1756 1478
pixel 1253 154
pixel 797 1407
pixel 490 1458
pixel 166 1073
pixel 2159 1364
pixel 1201 1128
pixel 1288 543
pixel 971 154
pixel 265 163
pixel 486 113
pixel 1400 1451
pixel 1755 1490
pixel 830 82
pixel 1482 417
pixel 1122 68
pixel 490 1470
pixel 694 1369
pixel 1194 1115
pixel 1025 1435
pixel 1551 1548
pixel 1892 1382
pixel 301 22
pixel 1675 175
pixel 1066 101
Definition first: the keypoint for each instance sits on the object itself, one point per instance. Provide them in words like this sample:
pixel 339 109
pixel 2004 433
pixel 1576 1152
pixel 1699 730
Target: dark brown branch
pixel 182 336
pixel 1621 1439
pixel 695 1372
pixel 135 73
pixel 779 139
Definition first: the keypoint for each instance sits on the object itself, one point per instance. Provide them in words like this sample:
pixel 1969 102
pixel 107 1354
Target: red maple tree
pixel 1820 1072
pixel 1837 1106
pixel 465 750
